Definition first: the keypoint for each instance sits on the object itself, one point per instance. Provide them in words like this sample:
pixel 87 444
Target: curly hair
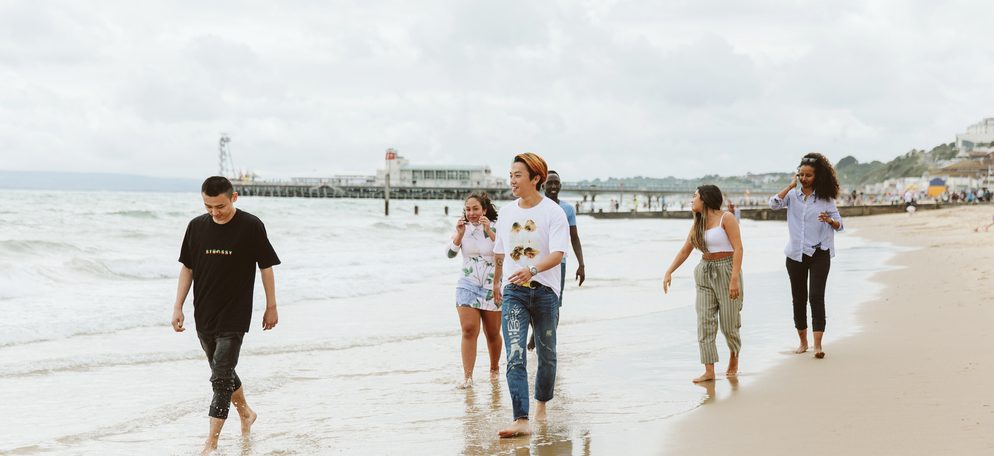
pixel 826 182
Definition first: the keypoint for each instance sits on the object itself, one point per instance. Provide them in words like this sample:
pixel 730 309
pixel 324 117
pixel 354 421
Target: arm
pixel 731 227
pixel 574 238
pixel 270 318
pixel 457 238
pixel 681 256
pixel 182 290
pixel 523 275
pixel 777 201
pixel 498 275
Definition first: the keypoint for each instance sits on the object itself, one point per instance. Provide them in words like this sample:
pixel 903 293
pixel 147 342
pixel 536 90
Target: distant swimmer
pixel 718 277
pixel 534 233
pixel 474 239
pixel 219 253
pixel 812 220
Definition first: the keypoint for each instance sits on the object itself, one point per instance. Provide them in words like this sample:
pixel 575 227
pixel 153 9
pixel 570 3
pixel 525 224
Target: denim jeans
pixel 538 306
pixel 222 354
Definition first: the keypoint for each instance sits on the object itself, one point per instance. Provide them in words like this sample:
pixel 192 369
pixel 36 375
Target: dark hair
pixel 551 172
pixel 488 207
pixel 216 185
pixel 711 197
pixel 535 165
pixel 826 183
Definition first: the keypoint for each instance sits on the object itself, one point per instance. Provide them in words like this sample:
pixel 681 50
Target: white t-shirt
pixel 526 236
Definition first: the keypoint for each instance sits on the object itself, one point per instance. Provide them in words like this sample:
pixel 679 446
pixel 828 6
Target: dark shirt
pixel 223 259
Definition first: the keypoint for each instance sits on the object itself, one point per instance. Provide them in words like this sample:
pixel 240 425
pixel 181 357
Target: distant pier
pixel 371 191
pixel 764 213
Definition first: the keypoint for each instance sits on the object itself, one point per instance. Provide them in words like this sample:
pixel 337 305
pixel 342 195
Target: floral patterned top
pixel 476 284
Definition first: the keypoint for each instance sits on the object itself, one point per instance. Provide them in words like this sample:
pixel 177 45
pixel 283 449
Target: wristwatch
pixel 533 270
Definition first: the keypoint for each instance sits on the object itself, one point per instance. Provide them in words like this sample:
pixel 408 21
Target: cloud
pixel 600 88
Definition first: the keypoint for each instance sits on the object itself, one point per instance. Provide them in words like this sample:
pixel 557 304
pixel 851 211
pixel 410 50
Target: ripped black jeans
pixel 222 353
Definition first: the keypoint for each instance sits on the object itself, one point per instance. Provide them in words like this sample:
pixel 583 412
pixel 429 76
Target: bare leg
pixel 520 427
pixel 733 365
pixel 469 319
pixel 707 375
pixel 819 353
pixel 540 412
pixel 491 330
pixel 245 413
pixel 215 432
pixel 803 335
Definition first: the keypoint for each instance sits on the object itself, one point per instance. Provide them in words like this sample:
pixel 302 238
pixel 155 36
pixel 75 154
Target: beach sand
pixel 915 380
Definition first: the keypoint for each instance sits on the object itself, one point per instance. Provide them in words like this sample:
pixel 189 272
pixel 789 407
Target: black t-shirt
pixel 223 259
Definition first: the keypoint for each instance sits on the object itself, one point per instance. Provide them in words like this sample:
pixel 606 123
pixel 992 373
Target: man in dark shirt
pixel 220 252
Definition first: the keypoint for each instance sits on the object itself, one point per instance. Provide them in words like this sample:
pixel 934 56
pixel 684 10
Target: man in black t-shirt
pixel 220 252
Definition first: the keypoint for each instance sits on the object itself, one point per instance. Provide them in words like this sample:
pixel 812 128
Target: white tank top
pixel 716 239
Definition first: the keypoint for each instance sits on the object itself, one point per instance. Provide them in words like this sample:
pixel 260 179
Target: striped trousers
pixel 715 309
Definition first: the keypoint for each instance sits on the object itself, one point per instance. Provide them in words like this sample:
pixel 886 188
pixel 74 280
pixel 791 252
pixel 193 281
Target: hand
pixel 824 217
pixel 793 181
pixel 498 298
pixel 461 227
pixel 733 288
pixel 581 275
pixel 178 320
pixel 270 318
pixel 667 280
pixel 521 277
pixel 485 222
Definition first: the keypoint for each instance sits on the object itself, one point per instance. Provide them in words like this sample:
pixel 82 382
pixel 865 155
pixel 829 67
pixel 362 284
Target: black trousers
pixel 807 283
pixel 222 353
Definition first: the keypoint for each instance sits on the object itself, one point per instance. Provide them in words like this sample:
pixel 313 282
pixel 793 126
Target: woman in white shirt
pixel 812 220
pixel 718 276
pixel 474 238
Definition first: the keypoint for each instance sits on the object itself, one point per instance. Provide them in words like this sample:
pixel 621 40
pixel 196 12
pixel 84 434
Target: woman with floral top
pixel 474 238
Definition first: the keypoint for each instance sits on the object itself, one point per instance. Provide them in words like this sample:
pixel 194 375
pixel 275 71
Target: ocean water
pixel 366 355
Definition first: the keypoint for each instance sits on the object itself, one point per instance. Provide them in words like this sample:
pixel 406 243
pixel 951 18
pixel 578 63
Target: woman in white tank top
pixel 718 276
pixel 474 239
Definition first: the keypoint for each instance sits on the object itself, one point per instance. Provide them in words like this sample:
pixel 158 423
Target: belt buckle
pixel 528 284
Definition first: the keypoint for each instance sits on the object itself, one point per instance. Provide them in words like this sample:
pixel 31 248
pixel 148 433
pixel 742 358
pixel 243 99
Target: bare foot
pixel 819 353
pixel 540 412
pixel 468 383
pixel 801 349
pixel 733 366
pixel 704 378
pixel 494 373
pixel 519 428
pixel 531 343
pixel 209 448
pixel 247 421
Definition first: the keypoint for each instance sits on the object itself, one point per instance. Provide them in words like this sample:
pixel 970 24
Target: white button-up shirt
pixel 807 233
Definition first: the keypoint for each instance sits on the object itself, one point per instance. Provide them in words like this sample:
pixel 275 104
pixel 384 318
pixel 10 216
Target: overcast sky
pixel 599 88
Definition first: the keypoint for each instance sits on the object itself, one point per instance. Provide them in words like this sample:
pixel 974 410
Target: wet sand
pixel 915 380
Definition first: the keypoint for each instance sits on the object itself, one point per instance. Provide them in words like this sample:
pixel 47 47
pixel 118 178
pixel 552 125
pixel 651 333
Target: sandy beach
pixel 914 380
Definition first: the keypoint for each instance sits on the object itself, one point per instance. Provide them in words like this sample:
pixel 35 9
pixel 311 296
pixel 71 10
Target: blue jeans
pixel 562 282
pixel 539 307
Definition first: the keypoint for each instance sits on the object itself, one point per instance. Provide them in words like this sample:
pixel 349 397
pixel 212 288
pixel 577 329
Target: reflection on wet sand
pixel 482 419
pixel 711 388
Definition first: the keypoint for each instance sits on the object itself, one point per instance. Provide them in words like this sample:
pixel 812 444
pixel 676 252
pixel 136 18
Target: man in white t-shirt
pixel 532 237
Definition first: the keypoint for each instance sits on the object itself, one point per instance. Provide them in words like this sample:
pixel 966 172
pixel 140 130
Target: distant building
pixel 404 174
pixel 978 134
